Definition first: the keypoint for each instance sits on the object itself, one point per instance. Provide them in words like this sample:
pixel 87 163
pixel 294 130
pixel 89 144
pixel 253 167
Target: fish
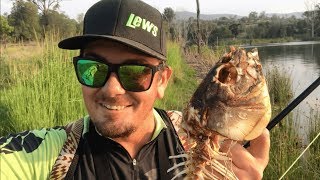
pixel 232 102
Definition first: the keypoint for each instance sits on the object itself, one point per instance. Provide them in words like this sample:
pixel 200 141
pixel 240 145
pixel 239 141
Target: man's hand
pixel 249 163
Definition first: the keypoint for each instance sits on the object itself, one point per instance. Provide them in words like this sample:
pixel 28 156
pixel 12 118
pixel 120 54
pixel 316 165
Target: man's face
pixel 116 112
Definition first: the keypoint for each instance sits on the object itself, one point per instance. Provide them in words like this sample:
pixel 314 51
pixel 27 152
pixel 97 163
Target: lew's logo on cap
pixel 136 21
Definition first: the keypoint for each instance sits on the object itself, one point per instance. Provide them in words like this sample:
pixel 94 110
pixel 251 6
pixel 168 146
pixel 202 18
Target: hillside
pixel 185 15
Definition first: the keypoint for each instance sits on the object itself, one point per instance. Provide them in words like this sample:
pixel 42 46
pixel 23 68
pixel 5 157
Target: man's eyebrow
pixel 128 61
pixel 94 55
pixel 141 61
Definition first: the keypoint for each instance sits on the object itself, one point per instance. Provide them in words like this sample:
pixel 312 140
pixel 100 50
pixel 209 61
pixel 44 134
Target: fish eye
pixel 228 75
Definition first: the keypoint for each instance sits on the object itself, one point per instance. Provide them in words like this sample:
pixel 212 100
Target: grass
pixel 280 87
pixel 284 146
pixel 313 154
pixel 209 55
pixel 182 83
pixel 286 142
pixel 39 89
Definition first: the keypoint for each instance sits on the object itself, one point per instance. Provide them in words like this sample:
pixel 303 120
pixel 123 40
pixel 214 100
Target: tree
pixel 218 33
pixel 301 27
pixel 198 27
pixel 261 29
pixel 191 31
pixel 173 33
pixel 45 6
pixel 168 14
pixel 59 22
pixel 5 29
pixel 253 16
pixel 275 27
pixel 317 23
pixel 25 20
pixel 234 28
pixel 80 18
pixel 255 25
pixel 206 28
pixel 311 14
pixel 263 15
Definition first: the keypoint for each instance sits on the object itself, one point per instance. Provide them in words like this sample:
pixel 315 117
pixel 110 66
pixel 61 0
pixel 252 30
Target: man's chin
pixel 114 131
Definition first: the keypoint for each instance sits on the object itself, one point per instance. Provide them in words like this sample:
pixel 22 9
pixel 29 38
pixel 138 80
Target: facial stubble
pixel 112 130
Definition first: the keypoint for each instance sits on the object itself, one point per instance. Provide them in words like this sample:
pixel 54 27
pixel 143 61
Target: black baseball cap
pixel 131 22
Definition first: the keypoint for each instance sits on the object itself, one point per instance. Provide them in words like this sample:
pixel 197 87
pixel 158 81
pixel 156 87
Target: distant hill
pixel 296 14
pixel 185 15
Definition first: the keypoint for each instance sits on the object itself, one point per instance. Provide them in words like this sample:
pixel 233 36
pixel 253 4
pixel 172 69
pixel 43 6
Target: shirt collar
pixel 160 124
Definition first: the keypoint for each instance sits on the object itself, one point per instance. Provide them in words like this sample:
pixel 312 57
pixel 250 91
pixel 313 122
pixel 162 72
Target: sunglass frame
pixel 115 68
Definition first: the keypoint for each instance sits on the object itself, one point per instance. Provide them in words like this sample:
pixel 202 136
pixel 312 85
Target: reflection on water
pixel 302 61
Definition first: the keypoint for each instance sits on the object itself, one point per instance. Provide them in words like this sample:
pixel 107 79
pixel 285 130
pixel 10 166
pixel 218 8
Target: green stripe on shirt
pixel 159 124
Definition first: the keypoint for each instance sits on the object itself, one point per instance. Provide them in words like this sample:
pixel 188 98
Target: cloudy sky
pixel 239 7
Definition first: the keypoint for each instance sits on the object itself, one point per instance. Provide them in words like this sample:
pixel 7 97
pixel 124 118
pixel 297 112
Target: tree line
pixel 32 19
pixel 254 26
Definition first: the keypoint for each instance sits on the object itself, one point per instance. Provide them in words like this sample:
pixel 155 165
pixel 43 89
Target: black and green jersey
pixel 32 154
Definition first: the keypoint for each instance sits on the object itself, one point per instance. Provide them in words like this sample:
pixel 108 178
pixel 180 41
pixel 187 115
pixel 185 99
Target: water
pixel 302 61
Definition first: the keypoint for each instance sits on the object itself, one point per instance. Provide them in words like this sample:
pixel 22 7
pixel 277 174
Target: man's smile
pixel 113 107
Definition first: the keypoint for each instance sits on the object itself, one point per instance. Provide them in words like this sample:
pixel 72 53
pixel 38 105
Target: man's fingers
pixel 249 162
pixel 239 155
pixel 259 147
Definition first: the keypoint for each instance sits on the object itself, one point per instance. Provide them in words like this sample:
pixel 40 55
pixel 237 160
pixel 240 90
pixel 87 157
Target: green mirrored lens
pixel 135 77
pixel 92 73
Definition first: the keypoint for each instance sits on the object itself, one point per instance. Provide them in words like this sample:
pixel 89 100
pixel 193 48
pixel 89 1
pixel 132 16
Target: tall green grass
pixel 42 91
pixel 286 141
pixel 314 153
pixel 280 87
pixel 182 83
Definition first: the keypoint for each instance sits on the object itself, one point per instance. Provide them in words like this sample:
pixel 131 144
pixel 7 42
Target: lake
pixel 302 61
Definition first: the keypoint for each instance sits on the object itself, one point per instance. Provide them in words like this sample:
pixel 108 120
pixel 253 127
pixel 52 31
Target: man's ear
pixel 163 81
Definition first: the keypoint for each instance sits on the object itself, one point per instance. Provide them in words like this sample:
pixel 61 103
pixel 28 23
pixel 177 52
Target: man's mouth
pixel 111 107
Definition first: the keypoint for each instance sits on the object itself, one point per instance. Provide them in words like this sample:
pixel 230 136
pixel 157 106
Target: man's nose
pixel 113 87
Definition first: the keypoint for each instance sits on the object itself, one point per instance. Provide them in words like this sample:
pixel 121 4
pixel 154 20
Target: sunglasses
pixel 134 77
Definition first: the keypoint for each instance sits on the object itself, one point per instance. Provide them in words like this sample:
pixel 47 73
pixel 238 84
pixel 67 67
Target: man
pixel 122 69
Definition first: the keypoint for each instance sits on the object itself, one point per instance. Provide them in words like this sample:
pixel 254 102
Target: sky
pixel 239 7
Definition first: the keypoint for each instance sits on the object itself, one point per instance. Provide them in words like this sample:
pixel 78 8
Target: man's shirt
pixel 31 154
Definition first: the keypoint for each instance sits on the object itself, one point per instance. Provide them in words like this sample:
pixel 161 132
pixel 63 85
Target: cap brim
pixel 79 42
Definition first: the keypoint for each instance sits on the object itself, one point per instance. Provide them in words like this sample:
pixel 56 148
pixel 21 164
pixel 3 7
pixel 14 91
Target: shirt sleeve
pixel 30 154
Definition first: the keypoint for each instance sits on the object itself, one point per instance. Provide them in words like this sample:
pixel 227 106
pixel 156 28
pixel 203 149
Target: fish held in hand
pixel 232 102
